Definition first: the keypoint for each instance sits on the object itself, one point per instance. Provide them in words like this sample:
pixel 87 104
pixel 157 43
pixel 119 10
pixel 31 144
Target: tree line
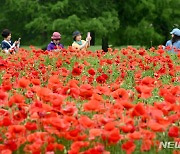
pixel 121 22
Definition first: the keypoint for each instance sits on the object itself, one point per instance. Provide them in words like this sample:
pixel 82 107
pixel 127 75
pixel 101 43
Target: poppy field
pixel 120 102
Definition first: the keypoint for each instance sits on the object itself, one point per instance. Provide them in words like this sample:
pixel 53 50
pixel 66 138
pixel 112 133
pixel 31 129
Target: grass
pixel 92 48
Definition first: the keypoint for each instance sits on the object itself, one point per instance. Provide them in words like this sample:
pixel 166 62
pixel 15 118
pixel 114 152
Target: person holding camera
pixel 80 44
pixel 7 45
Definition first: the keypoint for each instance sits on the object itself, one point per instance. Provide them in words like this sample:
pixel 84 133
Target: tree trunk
pixel 105 43
pixel 92 38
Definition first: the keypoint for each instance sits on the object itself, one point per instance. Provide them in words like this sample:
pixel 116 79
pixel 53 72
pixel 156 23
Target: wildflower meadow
pixel 83 102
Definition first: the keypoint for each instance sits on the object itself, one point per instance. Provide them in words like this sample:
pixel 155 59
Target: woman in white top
pixel 7 45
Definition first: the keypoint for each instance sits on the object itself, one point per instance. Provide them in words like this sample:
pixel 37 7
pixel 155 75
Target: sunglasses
pixel 57 39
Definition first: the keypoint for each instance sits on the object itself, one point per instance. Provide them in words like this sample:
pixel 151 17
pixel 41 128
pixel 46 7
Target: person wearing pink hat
pixel 55 44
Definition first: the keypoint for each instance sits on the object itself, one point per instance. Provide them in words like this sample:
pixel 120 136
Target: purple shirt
pixel 52 46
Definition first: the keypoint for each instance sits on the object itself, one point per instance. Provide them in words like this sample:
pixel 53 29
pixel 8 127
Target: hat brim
pixel 172 32
pixel 55 38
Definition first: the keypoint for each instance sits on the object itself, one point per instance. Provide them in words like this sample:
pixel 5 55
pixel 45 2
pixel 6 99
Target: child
pixel 174 43
pixel 79 44
pixel 7 45
pixel 55 44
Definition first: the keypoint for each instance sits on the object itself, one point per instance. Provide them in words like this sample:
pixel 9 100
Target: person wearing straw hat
pixel 78 43
pixel 173 45
pixel 55 44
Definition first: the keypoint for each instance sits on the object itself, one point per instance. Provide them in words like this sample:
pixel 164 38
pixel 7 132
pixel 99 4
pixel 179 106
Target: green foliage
pixel 144 21
pixel 143 34
pixel 135 22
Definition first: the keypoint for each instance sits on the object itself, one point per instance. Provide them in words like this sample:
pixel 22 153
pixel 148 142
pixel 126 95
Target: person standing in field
pixel 173 45
pixel 55 44
pixel 7 45
pixel 80 44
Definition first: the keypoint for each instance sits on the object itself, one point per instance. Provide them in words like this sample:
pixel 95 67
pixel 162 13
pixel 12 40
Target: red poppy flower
pixel 6 151
pixel 59 123
pixel 114 87
pixel 162 91
pixel 3 97
pixel 86 122
pixel 156 127
pixel 59 63
pixel 54 82
pixel 37 135
pixel 92 105
pixel 36 82
pixel 160 51
pixel 86 63
pixel 162 70
pixel 91 71
pixel 6 85
pixel 100 79
pixel 135 135
pixel 146 145
pixel 31 126
pixel 105 76
pixel 3 62
pixel 17 99
pixel 128 146
pixel 109 61
pixel 102 90
pixel 145 91
pixel 120 94
pixel 12 145
pixel 76 146
pixel 16 129
pixel 148 81
pixel 76 71
pixel 59 146
pixel 127 128
pixel 127 104
pixel 114 136
pixel 86 91
pixel 6 121
pixel 174 131
pixel 156 113
pixel 74 133
pixel 123 74
pixel 98 149
pixel 50 147
pixel 138 110
pixel 44 94
pixel 70 110
pixel 94 132
pixel 23 82
pixel 35 73
pixel 109 126
pixel 169 98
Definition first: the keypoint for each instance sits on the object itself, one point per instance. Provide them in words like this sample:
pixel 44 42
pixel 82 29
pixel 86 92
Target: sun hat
pixel 76 33
pixel 177 32
pixel 56 36
pixel 174 31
